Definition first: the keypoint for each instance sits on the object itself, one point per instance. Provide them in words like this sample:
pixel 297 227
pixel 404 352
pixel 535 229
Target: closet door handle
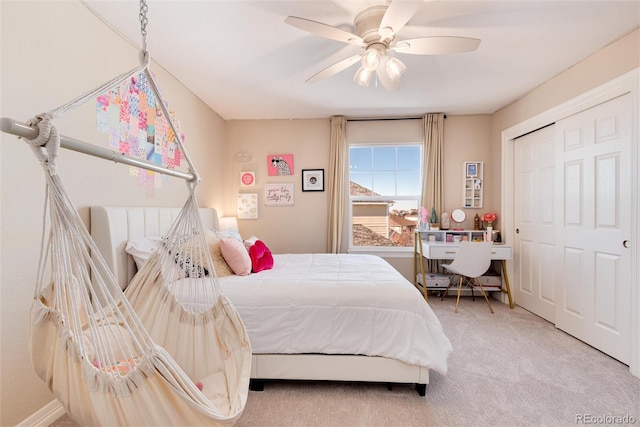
pixel 517 231
pixel 626 244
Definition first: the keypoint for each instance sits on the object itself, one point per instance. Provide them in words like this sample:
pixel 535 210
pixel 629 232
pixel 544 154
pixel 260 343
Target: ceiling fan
pixel 375 31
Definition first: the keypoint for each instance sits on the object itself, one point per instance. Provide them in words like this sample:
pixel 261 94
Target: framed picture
pixel 247 179
pixel 247 206
pixel 312 179
pixel 278 195
pixel 280 164
pixel 472 170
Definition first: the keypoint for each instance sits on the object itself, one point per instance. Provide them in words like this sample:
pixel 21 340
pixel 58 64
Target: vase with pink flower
pixel 422 218
pixel 489 219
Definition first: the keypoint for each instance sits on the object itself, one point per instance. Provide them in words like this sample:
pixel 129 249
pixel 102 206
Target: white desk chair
pixel 472 260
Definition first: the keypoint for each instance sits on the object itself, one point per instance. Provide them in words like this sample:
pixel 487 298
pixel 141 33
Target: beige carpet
pixel 507 369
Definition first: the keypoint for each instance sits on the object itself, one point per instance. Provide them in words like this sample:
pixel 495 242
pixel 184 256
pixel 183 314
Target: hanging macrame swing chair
pixel 176 353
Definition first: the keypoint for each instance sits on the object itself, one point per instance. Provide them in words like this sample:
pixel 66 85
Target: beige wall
pixel 466 138
pixel 52 52
pixel 303 227
pixel 298 229
pixel 608 63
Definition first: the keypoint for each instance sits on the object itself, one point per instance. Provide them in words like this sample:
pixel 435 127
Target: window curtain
pixel 433 161
pixel 337 183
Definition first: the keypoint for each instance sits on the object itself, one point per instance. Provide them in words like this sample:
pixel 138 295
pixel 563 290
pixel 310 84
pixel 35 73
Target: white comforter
pixel 336 304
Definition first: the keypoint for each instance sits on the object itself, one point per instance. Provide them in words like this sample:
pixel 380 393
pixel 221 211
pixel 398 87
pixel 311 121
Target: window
pixel 385 186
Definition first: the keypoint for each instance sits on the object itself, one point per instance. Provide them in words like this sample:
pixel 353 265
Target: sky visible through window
pixel 392 171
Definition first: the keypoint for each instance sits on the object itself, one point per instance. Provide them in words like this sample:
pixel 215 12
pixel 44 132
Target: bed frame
pixel 113 227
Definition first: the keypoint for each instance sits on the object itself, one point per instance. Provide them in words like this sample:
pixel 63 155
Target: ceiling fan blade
pixel 398 14
pixel 437 45
pixel 324 30
pixel 387 83
pixel 334 69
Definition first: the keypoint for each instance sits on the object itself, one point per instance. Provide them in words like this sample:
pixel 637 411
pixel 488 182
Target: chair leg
pixel 446 291
pixel 483 294
pixel 459 292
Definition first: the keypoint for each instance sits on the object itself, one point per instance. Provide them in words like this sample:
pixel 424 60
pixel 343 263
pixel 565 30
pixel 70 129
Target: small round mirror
pixel 458 215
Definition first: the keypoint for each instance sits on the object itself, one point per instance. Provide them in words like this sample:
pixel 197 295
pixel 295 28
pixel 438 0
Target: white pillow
pixel 229 233
pixel 192 259
pixel 250 242
pixel 141 248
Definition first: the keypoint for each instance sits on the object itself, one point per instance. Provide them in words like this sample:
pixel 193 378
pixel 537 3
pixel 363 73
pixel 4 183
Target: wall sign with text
pixel 247 179
pixel 278 195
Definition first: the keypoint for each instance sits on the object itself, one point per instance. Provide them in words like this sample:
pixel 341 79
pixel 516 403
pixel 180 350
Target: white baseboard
pixel 44 416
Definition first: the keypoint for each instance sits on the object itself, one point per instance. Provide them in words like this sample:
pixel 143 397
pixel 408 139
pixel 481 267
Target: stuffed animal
pixel 261 257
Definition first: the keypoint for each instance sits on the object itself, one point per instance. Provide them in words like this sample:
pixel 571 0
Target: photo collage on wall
pixel 137 127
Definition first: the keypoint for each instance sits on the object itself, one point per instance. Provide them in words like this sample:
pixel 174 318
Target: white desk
pixel 447 250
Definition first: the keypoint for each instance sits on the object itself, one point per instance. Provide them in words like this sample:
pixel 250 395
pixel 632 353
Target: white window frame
pixel 383 251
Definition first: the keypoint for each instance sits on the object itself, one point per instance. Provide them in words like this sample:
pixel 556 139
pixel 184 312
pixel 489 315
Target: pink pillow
pixel 261 258
pixel 236 256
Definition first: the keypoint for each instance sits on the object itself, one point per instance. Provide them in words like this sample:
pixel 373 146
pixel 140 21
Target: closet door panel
pixel 535 200
pixel 594 168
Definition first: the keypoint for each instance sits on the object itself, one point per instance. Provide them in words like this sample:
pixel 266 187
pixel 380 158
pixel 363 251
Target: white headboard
pixel 113 227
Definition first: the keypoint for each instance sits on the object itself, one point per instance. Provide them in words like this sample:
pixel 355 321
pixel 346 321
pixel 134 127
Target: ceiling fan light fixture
pixel 363 77
pixel 372 56
pixel 394 67
pixel 370 60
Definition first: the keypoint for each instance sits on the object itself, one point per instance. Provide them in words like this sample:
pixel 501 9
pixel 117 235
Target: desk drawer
pixel 441 252
pixel 449 252
pixel 501 252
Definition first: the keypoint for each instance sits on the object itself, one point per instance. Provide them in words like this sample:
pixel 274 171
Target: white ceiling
pixel 243 61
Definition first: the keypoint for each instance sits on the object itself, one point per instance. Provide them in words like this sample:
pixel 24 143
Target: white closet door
pixel 535 222
pixel 593 158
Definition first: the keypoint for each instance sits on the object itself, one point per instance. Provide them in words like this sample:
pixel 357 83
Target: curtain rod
pixel 374 119
pixel 20 129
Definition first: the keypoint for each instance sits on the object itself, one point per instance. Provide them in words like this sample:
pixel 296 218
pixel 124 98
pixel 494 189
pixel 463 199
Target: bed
pixel 305 316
